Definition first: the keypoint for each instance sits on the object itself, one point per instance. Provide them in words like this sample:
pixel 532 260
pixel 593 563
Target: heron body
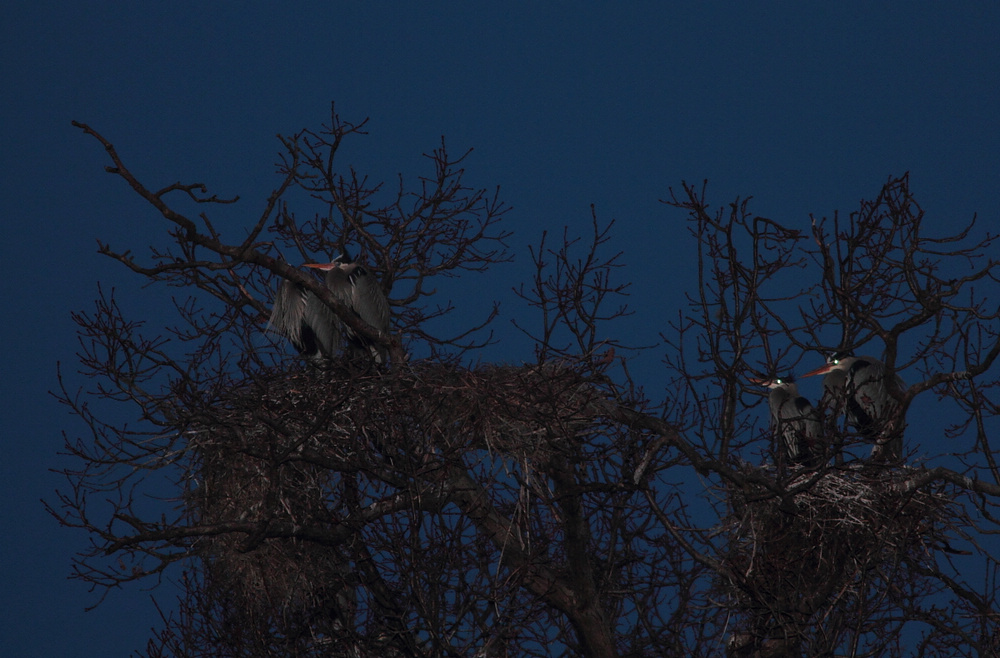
pixel 794 421
pixel 314 329
pixel 834 393
pixel 861 388
pixel 357 289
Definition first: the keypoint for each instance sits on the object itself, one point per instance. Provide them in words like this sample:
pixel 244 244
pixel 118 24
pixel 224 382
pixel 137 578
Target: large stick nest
pixel 293 446
pixel 826 541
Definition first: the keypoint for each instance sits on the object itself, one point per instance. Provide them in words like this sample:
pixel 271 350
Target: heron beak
pixel 321 266
pixel 819 371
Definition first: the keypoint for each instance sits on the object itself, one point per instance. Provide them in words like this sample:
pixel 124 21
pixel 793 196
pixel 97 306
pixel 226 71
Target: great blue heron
pixel 357 288
pixel 314 329
pixel 794 421
pixel 862 388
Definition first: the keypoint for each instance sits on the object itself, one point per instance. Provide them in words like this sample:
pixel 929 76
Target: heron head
pixel 834 360
pixel 774 382
pixel 342 261
pixel 836 357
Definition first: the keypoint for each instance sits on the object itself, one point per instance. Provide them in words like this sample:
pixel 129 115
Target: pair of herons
pixel 860 388
pixel 314 329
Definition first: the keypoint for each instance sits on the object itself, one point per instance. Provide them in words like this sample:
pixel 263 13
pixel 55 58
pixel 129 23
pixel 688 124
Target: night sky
pixel 566 104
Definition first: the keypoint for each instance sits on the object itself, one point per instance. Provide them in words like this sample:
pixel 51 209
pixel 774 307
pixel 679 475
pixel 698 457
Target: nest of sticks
pixel 824 541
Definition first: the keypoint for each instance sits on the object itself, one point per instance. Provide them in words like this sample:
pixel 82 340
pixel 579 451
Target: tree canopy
pixel 440 505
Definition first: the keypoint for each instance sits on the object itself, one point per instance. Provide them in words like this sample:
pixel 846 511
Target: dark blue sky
pixel 566 104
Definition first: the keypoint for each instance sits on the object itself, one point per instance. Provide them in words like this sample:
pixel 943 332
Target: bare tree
pixel 855 557
pixel 437 506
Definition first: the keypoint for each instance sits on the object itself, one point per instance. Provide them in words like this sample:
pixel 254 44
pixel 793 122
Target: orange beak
pixel 322 266
pixel 819 371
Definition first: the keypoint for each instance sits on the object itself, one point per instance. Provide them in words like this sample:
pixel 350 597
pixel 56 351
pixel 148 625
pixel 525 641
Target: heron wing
pixel 287 311
pixel 368 300
pixel 324 324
